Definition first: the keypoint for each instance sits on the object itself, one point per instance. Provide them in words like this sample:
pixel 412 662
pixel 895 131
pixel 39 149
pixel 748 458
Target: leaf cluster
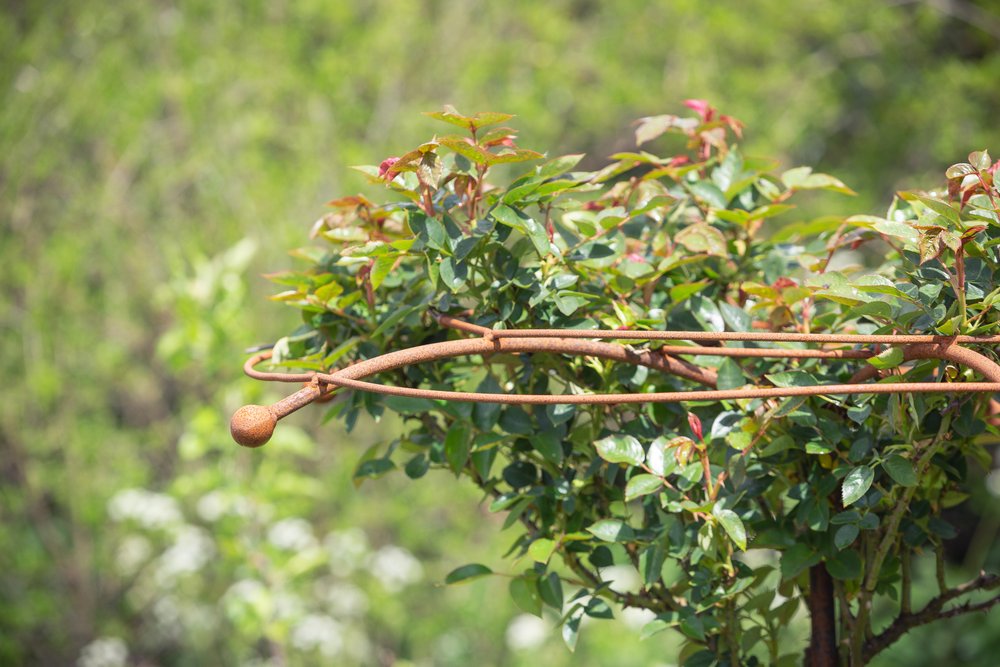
pixel 682 493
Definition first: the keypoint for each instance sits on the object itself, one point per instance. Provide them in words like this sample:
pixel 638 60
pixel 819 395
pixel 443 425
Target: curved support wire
pixel 253 425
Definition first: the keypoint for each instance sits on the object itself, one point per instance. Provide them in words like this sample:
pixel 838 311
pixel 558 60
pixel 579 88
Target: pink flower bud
pixel 385 168
pixel 695 424
pixel 782 283
pixel 702 108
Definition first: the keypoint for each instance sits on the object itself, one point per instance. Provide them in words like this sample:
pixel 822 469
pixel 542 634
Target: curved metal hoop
pixel 252 425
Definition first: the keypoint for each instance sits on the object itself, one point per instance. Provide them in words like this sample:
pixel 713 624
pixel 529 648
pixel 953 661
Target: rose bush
pixel 732 513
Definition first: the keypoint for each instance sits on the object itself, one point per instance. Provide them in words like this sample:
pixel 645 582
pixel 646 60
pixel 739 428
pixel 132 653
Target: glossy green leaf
pixel 730 376
pixel 611 530
pixel 733 526
pixel 845 565
pixel 467 573
pixel 642 485
pixel 900 470
pixel 702 238
pixel 456 446
pixel 856 484
pixel 524 591
pixel 845 535
pixel 541 550
pixel 550 589
pixel 620 448
pixel 797 559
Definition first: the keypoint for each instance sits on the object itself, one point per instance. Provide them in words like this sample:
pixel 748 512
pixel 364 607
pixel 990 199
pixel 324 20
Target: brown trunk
pixel 823 643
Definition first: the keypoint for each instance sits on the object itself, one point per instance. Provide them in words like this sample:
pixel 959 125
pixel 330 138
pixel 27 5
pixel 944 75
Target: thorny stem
pixel 706 467
pixel 934 611
pixel 889 537
pixel 960 282
pixel 989 192
pixel 904 602
pixel 939 573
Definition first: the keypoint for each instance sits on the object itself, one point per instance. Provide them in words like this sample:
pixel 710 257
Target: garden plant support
pixel 253 425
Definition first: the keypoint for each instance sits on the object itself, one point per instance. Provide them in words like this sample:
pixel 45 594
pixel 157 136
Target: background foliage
pixel 156 157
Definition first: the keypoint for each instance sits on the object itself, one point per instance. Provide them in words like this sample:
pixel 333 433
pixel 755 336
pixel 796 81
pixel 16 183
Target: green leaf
pixel 474 122
pixel 651 563
pixel 710 194
pixel 642 485
pixel 900 470
pixel 658 459
pixel 733 526
pixel 846 535
pixel 558 166
pixel 737 318
pixel 486 415
pixel 467 149
pixel 541 550
pixel 651 127
pixel 802 178
pixel 524 590
pixel 456 446
pixel 550 588
pixel 571 628
pixel 856 484
pixel 792 379
pixel 417 467
pixel 467 573
pixel 889 358
pixel 942 208
pixel 670 619
pixel 981 160
pixel 373 469
pixel 611 530
pixel 535 232
pixel 730 376
pixel 620 448
pixel 702 237
pixel 845 565
pixel 510 156
pixel 960 170
pixel 796 559
pixel 549 445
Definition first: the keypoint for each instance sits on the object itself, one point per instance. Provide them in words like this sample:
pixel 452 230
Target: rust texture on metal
pixel 253 425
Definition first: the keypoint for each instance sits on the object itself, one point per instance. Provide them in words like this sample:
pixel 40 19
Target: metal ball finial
pixel 252 425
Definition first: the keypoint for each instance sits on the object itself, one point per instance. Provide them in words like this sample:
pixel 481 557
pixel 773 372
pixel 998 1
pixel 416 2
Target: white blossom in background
pixel 294 534
pixel 133 552
pixel 212 506
pixel 395 567
pixel 348 550
pixel 526 632
pixel 993 483
pixel 215 505
pixel 622 578
pixel 149 509
pixel 192 549
pixel 104 652
pixel 635 617
pixel 167 614
pixel 248 598
pixel 287 605
pixel 318 632
pixel 344 600
pixel 357 648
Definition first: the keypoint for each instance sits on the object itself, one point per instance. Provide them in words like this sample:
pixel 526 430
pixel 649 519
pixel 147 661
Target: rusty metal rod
pixel 744 336
pixel 253 425
pixel 738 336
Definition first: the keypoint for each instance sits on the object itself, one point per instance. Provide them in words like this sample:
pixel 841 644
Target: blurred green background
pixel 156 157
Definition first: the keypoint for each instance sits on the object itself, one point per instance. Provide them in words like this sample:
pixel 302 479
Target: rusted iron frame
pixel 253 425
